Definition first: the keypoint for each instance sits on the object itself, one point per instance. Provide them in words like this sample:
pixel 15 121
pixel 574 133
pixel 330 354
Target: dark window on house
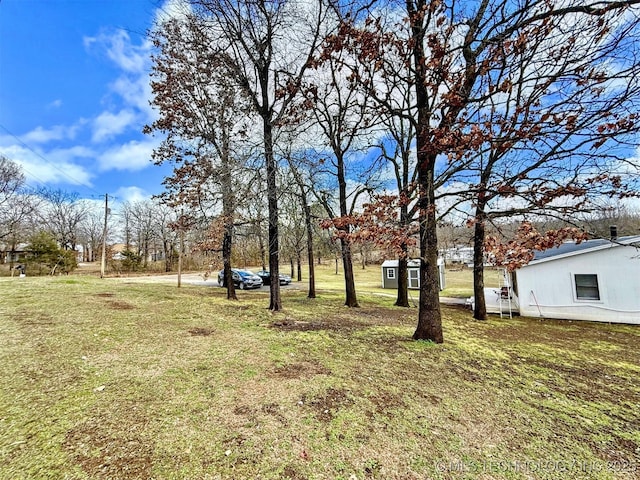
pixel 391 273
pixel 587 287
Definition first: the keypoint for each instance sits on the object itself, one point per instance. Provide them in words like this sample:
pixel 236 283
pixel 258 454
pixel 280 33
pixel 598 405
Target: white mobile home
pixel 597 280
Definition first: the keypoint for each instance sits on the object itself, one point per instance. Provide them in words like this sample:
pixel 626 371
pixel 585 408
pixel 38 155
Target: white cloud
pixel 131 86
pixel 136 92
pixel 55 104
pixel 132 156
pixel 119 49
pixel 107 125
pixel 67 154
pixel 57 166
pixel 131 195
pixel 44 135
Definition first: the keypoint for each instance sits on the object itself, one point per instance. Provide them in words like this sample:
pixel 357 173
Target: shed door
pixel 414 278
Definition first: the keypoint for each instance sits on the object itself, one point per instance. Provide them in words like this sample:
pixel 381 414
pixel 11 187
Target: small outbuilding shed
pixel 597 280
pixel 390 274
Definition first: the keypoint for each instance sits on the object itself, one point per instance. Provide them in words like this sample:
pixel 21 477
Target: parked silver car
pixel 243 279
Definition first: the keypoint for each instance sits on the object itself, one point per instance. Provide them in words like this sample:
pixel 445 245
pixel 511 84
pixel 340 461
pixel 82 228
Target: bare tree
pixel 304 195
pixel 17 205
pixel 204 115
pixel 142 224
pixel 451 54
pixel 11 181
pixel 91 233
pixel 397 149
pixel 342 116
pixel 62 214
pixel 551 121
pixel 610 213
pixel 294 227
pixel 254 39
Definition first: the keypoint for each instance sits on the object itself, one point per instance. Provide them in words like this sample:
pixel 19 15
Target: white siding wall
pixel 547 289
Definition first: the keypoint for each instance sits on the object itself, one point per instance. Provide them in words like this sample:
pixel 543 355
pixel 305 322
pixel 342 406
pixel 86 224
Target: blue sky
pixel 74 95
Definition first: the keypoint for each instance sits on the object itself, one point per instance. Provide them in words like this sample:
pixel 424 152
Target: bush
pixel 47 257
pixel 131 261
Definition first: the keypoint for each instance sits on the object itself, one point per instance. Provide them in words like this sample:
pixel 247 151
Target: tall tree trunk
pixel 347 260
pixel 168 257
pixel 226 259
pixel 145 251
pixel 312 268
pixel 263 257
pixel 349 281
pixel 308 223
pixel 429 316
pixel 228 207
pixel 127 235
pixel 275 301
pixel 402 300
pixel 480 305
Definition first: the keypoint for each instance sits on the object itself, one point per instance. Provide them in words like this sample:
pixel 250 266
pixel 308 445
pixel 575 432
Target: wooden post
pixel 103 263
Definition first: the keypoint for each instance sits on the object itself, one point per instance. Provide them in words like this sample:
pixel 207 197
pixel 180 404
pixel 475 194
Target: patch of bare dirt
pixel 290 473
pixel 105 295
pixel 471 370
pixel 327 405
pixel 243 410
pixel 301 370
pixel 106 454
pixel 347 322
pixel 274 410
pixel 246 451
pixel 385 316
pixel 34 319
pixel 118 305
pixel 200 332
pixel 336 325
pixel 386 402
pixel 253 413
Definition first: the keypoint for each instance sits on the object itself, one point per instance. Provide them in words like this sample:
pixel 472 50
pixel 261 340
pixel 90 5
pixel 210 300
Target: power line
pixel 40 156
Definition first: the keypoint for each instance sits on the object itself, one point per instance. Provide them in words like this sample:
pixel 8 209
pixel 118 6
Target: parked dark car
pixel 243 279
pixel 266 278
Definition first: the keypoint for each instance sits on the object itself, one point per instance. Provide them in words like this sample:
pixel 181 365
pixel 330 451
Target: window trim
pixel 413 280
pixel 391 273
pixel 577 295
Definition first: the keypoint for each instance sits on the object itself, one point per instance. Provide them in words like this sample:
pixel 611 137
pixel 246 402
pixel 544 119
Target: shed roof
pixel 572 248
pixel 394 263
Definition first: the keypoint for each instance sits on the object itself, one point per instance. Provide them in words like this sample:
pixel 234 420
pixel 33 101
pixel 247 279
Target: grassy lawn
pixel 458 281
pixel 108 379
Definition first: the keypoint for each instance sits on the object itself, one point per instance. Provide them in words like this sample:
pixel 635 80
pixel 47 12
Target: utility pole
pixel 103 263
pixel 181 252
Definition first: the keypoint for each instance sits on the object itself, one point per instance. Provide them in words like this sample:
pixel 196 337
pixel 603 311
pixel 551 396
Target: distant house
pixel 459 254
pixel 390 274
pixel 597 280
pixel 15 254
pixel 117 250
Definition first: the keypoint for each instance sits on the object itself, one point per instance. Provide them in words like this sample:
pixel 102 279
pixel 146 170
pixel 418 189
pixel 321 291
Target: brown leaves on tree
pixel 377 223
pixel 520 250
pixel 212 239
